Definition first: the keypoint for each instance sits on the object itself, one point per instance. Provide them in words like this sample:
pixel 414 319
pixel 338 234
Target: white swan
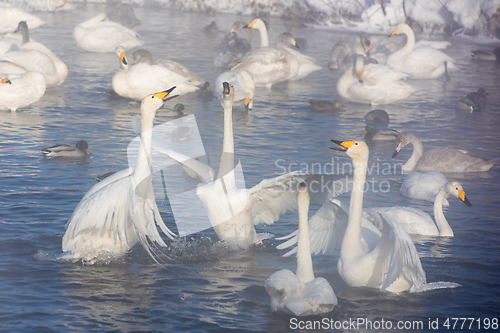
pixel 142 79
pixel 423 62
pixel 20 90
pixel 301 294
pixel 393 265
pixel 259 25
pixel 98 34
pixel 168 64
pixel 233 211
pixel 374 84
pixel 233 48
pixel 242 83
pixel 443 159
pixel 121 210
pixel 423 185
pixel 307 64
pixel 270 66
pixel 34 56
pixel 10 18
pixel 416 221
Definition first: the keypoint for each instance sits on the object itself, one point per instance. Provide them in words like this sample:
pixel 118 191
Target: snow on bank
pixel 463 17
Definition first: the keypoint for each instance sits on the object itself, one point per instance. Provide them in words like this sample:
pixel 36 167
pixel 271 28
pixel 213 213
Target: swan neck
pixel 441 222
pixel 418 151
pixel 227 158
pixel 351 244
pixel 305 271
pixel 143 168
pixel 26 35
pixel 264 39
pixel 405 50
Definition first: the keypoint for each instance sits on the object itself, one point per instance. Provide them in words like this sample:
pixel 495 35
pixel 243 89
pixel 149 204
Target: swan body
pixel 270 66
pixel 142 79
pixel 443 160
pixel 374 84
pixel 81 149
pixel 423 185
pixel 98 34
pixel 33 56
pixel 416 221
pixel 10 18
pixel 372 133
pixel 233 48
pixel 422 62
pixel 242 83
pixel 307 64
pixel 9 42
pixel 121 210
pixel 20 90
pixel 301 293
pixel 168 64
pixel 393 265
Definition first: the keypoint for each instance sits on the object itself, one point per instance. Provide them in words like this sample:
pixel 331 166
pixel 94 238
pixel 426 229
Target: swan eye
pixel 356 143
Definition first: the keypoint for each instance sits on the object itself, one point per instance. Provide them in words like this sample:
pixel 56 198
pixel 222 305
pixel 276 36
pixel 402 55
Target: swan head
pixel 365 42
pixel 153 102
pixel 256 24
pixel 120 53
pixel 355 149
pixel 455 188
pixel 303 197
pixel 402 140
pixel 227 92
pixel 287 37
pixel 401 28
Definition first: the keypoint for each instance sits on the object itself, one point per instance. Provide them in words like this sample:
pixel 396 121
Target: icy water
pixel 205 287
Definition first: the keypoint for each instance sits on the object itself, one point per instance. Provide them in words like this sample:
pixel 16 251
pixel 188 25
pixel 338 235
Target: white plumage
pixel 21 90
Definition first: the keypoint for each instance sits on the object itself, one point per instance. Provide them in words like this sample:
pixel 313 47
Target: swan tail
pixel 433 285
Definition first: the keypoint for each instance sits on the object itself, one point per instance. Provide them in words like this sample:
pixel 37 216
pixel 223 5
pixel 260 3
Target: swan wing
pixel 452 160
pixel 272 197
pixel 182 71
pixel 398 247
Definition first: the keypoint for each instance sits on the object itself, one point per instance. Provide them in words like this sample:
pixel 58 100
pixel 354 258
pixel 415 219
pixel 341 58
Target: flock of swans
pixel 374 243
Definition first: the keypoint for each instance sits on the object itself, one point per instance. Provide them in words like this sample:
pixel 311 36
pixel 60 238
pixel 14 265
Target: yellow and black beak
pixel 461 195
pixel 164 95
pixel 6 81
pixel 249 25
pixel 123 59
pixel 393 33
pixel 342 145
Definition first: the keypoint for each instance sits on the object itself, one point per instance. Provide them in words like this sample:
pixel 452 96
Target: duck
pixel 34 56
pixel 301 293
pixel 393 265
pixel 170 65
pixel 233 210
pixel 99 34
pixel 473 102
pixel 81 149
pixel 416 221
pixel 233 48
pixel 20 90
pixel 271 66
pixel 211 28
pixel 421 62
pixel 243 86
pixel 326 106
pixel 375 84
pixel 120 210
pixel 423 185
pixel 442 159
pixel 9 19
pixel 205 92
pixel 373 133
pixel 142 79
pixel 377 117
pixel 486 55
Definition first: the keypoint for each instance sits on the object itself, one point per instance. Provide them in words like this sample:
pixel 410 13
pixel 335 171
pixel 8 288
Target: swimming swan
pixel 442 159
pixel 142 79
pixel 416 221
pixel 233 48
pixel 301 294
pixel 259 25
pixel 393 265
pixel 242 83
pixel 422 62
pixel 121 210
pixel 270 66
pixel 34 56
pixel 374 84
pixel 98 34
pixel 10 18
pixel 20 90
pixel 81 149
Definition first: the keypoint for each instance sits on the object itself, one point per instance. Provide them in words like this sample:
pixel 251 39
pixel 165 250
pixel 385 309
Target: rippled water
pixel 207 288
